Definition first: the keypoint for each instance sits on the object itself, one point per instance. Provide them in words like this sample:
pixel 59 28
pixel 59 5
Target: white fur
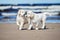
pixel 20 20
pixel 31 18
pixel 36 18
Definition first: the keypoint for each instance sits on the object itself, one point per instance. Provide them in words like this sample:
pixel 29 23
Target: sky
pixel 27 1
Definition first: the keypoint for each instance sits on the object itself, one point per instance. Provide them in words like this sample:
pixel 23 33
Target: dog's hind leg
pixel 30 26
pixel 44 23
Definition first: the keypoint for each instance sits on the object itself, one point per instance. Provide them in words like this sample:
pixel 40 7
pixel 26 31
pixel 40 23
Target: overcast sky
pixel 27 1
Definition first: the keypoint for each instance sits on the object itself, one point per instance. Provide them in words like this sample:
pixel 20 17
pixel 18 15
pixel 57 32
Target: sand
pixel 11 32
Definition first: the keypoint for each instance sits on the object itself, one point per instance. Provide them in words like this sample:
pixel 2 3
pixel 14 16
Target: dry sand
pixel 11 32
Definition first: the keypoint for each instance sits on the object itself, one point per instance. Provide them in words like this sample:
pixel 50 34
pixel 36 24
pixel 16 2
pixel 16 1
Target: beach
pixel 9 29
pixel 10 32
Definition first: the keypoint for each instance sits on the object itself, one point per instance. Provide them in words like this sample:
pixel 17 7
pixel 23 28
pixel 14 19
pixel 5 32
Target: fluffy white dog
pixel 21 19
pixel 32 18
pixel 37 18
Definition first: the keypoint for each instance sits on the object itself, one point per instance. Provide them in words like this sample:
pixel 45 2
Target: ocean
pixel 9 15
pixel 12 19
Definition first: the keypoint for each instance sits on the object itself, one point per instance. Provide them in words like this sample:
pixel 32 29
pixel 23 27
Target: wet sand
pixel 11 32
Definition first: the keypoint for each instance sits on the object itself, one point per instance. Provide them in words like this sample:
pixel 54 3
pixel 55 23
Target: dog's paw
pixel 43 28
pixel 29 28
pixel 36 29
pixel 19 28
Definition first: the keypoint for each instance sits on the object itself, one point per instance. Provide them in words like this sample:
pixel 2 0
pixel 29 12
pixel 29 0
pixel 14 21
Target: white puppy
pixel 37 18
pixel 21 19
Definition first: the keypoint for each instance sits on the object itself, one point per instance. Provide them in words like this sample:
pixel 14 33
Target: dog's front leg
pixel 29 21
pixel 30 26
pixel 21 25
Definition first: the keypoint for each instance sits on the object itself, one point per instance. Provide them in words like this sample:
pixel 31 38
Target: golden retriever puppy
pixel 37 18
pixel 21 19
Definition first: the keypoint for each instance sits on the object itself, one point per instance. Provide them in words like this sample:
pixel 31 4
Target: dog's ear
pixel 19 12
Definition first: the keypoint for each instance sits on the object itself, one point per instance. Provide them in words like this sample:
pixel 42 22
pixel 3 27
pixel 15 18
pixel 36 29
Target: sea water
pixel 12 19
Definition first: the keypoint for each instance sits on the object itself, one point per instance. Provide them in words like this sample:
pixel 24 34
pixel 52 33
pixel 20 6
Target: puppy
pixel 37 18
pixel 21 19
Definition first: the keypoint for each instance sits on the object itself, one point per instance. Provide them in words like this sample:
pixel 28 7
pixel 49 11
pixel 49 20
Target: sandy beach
pixel 11 32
